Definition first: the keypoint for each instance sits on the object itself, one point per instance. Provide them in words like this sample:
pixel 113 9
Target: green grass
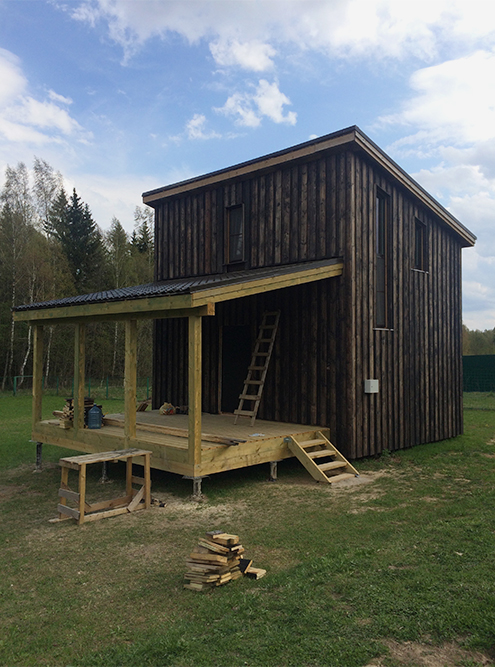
pixel 408 557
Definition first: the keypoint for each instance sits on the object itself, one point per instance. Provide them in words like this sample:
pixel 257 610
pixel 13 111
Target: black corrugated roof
pixel 176 286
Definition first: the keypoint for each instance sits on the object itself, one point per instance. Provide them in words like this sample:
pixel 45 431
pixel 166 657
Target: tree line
pixel 50 248
pixel 478 342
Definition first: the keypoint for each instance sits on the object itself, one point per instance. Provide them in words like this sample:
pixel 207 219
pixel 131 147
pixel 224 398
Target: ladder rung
pixel 256 368
pixel 312 443
pixel 333 465
pixel 261 354
pixel 244 413
pixel 320 453
pixel 264 340
pixel 253 382
pixel 250 397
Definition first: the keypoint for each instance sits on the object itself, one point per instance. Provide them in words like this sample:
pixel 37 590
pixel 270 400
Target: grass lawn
pixel 397 569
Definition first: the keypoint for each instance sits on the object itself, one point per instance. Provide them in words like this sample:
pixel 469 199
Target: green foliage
pixel 478 342
pixel 50 248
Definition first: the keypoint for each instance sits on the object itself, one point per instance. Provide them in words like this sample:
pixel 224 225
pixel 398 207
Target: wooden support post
pixel 39 451
pixel 130 381
pixel 79 379
pixel 128 478
pixel 197 487
pixel 82 492
pixel 37 374
pixel 104 473
pixel 194 378
pixel 273 471
pixel 64 484
pixel 147 481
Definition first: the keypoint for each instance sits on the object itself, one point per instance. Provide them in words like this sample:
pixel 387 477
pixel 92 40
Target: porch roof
pixel 177 297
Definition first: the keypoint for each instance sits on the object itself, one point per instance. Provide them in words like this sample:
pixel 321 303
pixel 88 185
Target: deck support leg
pixel 197 487
pixel 273 471
pixel 39 451
pixel 104 473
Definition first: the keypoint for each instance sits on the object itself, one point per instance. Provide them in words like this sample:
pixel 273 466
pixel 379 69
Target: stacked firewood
pixel 66 415
pixel 216 560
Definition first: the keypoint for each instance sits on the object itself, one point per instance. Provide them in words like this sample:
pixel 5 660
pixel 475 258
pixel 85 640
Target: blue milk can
pixel 95 417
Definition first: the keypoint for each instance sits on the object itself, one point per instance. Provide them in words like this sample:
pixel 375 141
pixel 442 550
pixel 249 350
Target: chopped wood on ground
pixel 216 560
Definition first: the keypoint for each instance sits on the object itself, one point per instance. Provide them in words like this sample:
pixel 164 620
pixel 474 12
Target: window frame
pixel 383 314
pixel 238 259
pixel 420 248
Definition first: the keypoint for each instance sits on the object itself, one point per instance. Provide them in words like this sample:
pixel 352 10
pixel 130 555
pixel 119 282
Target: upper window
pixel 382 318
pixel 235 234
pixel 420 246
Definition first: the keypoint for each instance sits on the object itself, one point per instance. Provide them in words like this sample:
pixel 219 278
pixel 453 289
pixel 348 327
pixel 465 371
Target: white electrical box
pixel 371 386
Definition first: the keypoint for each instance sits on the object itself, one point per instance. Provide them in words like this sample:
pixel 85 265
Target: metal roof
pixel 216 285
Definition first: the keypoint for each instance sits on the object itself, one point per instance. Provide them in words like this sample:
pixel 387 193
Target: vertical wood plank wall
pixel 327 343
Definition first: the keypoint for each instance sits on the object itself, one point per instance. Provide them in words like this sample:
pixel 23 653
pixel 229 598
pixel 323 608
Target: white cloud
pixel 383 28
pixel 267 100
pixel 254 56
pixel 26 119
pixel 196 128
pixel 453 101
pixel 12 80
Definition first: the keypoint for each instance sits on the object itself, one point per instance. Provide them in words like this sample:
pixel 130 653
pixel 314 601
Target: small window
pixel 235 234
pixel 420 246
pixel 382 319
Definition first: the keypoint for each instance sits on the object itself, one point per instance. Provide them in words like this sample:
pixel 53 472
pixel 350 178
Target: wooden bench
pixel 133 500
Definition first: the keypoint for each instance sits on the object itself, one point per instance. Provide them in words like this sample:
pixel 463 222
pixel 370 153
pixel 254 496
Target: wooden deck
pixel 263 442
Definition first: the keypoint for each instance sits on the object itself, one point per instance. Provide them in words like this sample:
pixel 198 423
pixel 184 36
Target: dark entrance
pixel 236 357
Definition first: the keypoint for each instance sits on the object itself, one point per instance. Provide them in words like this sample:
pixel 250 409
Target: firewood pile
pixel 216 560
pixel 66 415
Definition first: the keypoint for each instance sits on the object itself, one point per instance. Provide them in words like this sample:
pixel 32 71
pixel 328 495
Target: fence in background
pixel 109 387
pixel 479 372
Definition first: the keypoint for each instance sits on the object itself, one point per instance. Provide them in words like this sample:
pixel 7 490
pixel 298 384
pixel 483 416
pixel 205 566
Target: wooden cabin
pixel 363 269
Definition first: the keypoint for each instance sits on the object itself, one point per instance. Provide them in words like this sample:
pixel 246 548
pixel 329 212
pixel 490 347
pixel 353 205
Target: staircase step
pixel 321 452
pixel 311 443
pixel 332 465
pixel 340 478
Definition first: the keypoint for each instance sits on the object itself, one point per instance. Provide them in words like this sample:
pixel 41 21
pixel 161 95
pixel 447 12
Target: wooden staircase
pixel 321 459
pixel 255 379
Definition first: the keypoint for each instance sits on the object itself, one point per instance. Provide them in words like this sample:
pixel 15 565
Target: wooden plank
pixel 79 378
pixel 308 463
pixel 136 500
pixel 105 514
pixel 194 384
pixel 179 432
pixel 147 481
pixel 82 492
pixel 108 504
pixel 37 373
pixel 68 495
pixel 130 379
pixel 68 511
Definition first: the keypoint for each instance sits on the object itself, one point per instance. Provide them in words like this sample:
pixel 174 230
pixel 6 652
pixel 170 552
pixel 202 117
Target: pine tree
pixel 72 224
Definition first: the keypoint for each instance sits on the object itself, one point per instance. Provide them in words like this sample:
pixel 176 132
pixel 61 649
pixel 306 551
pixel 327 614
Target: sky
pixel 124 96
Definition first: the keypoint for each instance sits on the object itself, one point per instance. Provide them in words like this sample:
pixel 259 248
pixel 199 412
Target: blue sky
pixel 123 96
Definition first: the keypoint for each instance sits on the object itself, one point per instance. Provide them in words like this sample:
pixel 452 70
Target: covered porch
pixel 196 444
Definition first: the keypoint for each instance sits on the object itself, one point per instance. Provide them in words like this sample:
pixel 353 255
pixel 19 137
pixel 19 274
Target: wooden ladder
pixel 259 365
pixel 321 459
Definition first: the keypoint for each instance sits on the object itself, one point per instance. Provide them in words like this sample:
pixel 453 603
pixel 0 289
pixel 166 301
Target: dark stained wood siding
pixel 327 343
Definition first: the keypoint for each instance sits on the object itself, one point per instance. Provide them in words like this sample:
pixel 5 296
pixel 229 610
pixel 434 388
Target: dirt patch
pixel 8 492
pixel 413 654
pixel 192 513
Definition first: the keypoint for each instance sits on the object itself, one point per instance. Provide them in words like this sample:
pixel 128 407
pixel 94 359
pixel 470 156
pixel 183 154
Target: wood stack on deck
pixel 66 415
pixel 217 560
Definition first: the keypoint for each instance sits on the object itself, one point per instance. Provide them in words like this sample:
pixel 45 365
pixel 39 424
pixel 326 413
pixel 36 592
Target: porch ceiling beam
pixel 154 309
pixel 238 290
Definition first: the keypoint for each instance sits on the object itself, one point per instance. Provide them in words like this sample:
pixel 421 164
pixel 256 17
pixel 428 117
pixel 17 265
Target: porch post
pixel 130 380
pixel 37 373
pixel 194 384
pixel 79 378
